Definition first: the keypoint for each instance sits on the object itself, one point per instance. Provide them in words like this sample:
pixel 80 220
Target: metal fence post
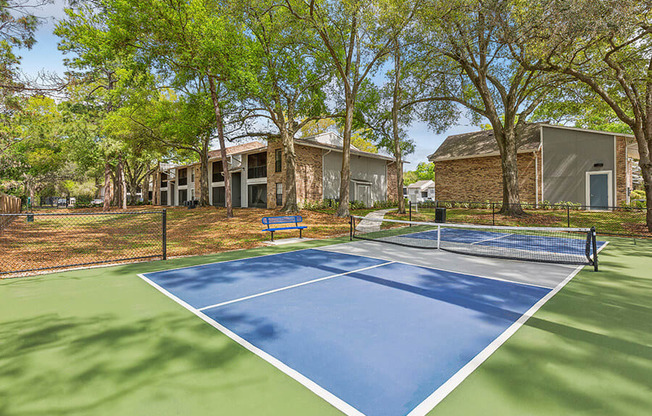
pixel 568 215
pixel 165 234
pixel 410 212
pixel 493 213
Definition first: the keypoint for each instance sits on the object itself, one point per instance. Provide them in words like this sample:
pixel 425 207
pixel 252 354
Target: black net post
pixel 594 242
pixel 164 234
pixel 410 210
pixel 350 227
pixel 493 213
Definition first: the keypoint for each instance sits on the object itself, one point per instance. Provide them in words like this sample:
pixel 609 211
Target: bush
pixel 357 205
pixel 385 204
pixel 637 194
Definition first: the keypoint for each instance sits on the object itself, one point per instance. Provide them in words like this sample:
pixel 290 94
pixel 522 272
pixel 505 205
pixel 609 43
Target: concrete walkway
pixel 370 226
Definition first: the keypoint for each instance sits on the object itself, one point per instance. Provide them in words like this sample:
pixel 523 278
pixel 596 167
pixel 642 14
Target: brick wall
pixel 480 179
pixel 391 181
pixel 308 173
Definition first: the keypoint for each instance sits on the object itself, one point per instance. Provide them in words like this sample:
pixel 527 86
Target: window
pixel 164 180
pixel 219 196
pixel 217 171
pixel 192 194
pixel 183 177
pixel 279 194
pixel 424 194
pixel 279 160
pixel 183 196
pixel 192 176
pixel 257 196
pixel 257 165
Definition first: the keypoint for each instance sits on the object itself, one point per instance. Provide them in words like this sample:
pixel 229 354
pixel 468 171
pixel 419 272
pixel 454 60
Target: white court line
pixel 335 401
pixel 438 395
pixel 431 401
pixel 228 302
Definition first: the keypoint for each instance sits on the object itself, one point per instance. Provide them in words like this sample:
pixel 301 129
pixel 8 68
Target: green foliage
pixel 424 171
pixel 637 194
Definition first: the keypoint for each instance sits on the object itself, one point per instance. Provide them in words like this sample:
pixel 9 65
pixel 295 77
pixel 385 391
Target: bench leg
pixel 272 233
pixel 300 233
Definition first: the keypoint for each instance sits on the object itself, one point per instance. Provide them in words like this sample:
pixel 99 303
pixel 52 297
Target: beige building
pixel 258 175
pixel 555 164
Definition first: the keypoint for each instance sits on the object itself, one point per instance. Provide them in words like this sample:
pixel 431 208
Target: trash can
pixel 440 215
pixel 30 217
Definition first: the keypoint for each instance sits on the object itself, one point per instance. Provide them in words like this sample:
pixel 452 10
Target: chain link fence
pixel 35 242
pixel 620 221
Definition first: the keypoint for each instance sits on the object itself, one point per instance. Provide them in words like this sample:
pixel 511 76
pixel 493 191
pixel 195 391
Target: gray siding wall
pixel 567 156
pixel 362 169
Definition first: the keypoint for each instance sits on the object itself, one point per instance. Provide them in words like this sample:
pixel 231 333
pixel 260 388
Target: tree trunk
pixel 643 136
pixel 156 189
pixel 220 136
pixel 345 177
pixel 145 186
pixel 646 171
pixel 123 184
pixel 395 130
pixel 290 157
pixel 509 164
pixel 107 187
pixel 204 199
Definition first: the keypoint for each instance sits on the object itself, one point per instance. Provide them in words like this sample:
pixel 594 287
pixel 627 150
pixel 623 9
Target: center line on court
pixel 292 286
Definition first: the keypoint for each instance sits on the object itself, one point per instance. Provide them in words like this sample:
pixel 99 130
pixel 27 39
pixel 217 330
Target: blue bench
pixel 289 219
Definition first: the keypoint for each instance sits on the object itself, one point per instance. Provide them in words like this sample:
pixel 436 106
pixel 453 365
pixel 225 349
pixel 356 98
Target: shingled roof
pixel 483 143
pixel 240 148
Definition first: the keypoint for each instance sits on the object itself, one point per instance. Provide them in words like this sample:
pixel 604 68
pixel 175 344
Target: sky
pixel 45 57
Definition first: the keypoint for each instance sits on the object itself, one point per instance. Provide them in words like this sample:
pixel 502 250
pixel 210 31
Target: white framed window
pixel 279 194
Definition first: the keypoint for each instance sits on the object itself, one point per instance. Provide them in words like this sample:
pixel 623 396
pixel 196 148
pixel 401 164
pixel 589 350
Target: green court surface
pixel 103 342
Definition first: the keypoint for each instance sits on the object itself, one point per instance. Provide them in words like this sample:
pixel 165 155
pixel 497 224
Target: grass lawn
pixel 104 342
pixel 620 222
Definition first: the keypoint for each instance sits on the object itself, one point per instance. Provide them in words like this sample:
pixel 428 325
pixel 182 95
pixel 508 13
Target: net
pixel 551 245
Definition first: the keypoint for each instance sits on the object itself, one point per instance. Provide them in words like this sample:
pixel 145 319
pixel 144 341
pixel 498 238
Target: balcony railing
pixel 257 172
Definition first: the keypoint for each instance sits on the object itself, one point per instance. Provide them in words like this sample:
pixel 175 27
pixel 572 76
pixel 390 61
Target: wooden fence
pixel 9 204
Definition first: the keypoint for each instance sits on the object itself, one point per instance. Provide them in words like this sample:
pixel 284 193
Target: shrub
pixel 357 205
pixel 385 204
pixel 637 194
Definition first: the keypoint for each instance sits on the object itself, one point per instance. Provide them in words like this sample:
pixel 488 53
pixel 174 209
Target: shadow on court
pixel 588 350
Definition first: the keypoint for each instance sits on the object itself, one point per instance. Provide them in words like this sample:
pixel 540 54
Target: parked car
pixel 97 201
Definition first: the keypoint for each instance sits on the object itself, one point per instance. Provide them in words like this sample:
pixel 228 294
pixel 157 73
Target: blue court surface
pixel 535 243
pixel 370 336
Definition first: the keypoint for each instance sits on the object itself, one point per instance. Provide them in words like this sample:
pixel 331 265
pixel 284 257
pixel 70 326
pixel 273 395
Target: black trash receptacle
pixel 440 215
pixel 30 217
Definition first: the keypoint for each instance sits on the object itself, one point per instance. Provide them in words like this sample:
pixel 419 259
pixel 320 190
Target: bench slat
pixel 282 219
pixel 301 227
